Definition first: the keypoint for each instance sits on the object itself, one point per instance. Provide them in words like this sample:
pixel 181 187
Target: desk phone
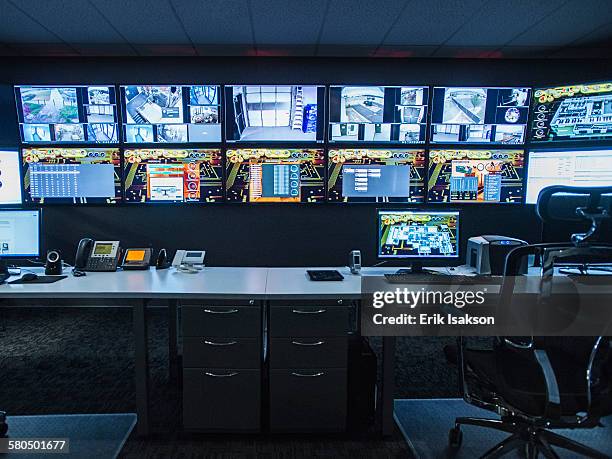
pixel 97 255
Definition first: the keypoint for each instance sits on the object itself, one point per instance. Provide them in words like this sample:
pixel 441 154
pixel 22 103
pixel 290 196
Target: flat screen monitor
pixel 567 167
pixel 67 114
pixel 171 114
pixel 275 175
pixel 386 114
pixel 173 175
pixel 578 112
pixel 10 178
pixel 413 234
pixel 376 175
pixel 274 113
pixel 71 175
pixel 479 115
pixel 476 176
pixel 20 233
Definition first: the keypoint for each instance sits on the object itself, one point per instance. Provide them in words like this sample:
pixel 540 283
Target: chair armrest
pixel 552 410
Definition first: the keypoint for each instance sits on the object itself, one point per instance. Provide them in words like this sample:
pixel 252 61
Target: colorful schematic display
pixel 163 175
pixel 376 175
pixel 472 176
pixel 275 175
pixel 378 114
pixel 67 114
pixel 171 114
pixel 572 113
pixel 72 175
pixel 408 234
pixel 479 115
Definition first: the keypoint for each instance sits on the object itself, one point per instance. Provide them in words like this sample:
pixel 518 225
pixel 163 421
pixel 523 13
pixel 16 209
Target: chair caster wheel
pixel 455 437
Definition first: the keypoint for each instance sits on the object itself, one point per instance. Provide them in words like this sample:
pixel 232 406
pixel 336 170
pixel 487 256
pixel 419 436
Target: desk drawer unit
pixel 308 359
pixel 221 400
pixel 222 356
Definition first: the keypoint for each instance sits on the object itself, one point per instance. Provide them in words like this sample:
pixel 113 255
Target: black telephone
pixel 97 255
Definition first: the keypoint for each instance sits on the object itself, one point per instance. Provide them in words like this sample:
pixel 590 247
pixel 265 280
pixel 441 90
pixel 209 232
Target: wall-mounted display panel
pixel 479 115
pixel 577 112
pixel 171 114
pixel 386 114
pixel 567 167
pixel 275 175
pixel 376 175
pixel 71 175
pixel 274 113
pixel 173 175
pixel 475 176
pixel 67 114
pixel 10 177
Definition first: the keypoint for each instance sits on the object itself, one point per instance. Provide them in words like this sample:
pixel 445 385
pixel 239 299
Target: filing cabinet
pixel 308 359
pixel 222 354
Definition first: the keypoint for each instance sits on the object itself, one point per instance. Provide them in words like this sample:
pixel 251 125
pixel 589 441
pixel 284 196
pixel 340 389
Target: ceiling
pixel 376 28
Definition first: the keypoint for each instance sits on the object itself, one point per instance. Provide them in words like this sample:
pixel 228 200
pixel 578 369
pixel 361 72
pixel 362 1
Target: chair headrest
pixel 590 199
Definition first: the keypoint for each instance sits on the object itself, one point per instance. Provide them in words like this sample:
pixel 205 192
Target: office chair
pixel 538 384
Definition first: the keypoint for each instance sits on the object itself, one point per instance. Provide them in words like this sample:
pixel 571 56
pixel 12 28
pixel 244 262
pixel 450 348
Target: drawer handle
pixel 306 375
pixel 301 311
pixel 300 343
pixel 217 375
pixel 213 343
pixel 229 311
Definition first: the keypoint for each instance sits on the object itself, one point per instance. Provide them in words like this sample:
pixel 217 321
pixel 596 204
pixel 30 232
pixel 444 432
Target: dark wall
pixel 271 235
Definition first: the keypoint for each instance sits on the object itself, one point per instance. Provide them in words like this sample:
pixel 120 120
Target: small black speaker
pixel 53 264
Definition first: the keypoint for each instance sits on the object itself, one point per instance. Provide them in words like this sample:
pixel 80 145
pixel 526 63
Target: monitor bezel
pixel 40 235
pixel 432 259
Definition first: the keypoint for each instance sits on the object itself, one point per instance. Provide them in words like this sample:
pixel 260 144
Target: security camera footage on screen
pixel 479 115
pixel 67 114
pixel 10 178
pixel 171 114
pixel 410 234
pixel 274 113
pixel 384 114
pixel 19 233
pixel 275 175
pixel 376 175
pixel 572 113
pixel 568 167
pixel 475 176
pixel 72 175
pixel 181 175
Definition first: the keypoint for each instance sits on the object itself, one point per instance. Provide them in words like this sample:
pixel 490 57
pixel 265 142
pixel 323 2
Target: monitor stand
pixel 4 272
pixel 416 267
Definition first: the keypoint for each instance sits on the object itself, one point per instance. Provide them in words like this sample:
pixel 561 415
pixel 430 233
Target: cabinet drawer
pixel 221 321
pixel 309 352
pixel 221 352
pixel 221 400
pixel 304 321
pixel 308 400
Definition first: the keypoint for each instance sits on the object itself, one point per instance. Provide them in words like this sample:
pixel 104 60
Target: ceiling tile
pixel 144 21
pixel 215 21
pixel 17 27
pixel 359 22
pixel 431 22
pixel 568 23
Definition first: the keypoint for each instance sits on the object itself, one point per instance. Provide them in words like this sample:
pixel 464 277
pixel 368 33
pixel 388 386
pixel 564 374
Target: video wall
pixel 207 144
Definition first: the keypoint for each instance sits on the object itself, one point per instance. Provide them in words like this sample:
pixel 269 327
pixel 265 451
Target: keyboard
pixel 441 279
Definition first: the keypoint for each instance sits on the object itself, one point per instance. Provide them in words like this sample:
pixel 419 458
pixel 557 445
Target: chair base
pixel 532 439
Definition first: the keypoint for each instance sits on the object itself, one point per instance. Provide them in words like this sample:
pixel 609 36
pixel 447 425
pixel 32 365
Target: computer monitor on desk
pixel 19 237
pixel 417 236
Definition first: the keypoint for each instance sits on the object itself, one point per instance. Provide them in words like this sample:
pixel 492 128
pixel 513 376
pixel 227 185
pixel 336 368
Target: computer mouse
pixel 28 277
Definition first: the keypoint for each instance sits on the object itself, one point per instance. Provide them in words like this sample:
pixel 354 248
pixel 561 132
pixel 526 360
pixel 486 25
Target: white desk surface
pixel 168 283
pixel 218 283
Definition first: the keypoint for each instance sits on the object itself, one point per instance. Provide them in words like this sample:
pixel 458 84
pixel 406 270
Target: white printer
pixel 487 254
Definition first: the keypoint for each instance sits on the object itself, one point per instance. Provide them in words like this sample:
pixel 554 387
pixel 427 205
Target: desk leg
pixel 172 340
pixel 388 385
pixel 141 367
